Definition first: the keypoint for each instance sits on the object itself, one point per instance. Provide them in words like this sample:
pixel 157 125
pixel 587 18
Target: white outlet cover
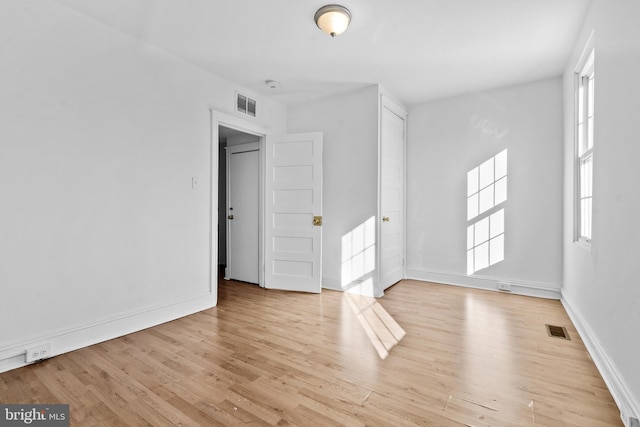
pixel 39 352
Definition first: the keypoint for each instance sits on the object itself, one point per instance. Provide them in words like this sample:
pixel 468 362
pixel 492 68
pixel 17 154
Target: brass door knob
pixel 385 219
pixel 230 217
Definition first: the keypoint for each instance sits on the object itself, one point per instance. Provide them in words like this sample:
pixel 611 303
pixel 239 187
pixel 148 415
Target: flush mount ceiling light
pixel 333 19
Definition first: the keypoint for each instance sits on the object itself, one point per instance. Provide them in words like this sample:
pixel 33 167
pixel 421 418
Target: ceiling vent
pixel 245 105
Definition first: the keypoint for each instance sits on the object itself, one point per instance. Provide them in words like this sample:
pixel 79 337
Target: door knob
pixel 385 219
pixel 230 217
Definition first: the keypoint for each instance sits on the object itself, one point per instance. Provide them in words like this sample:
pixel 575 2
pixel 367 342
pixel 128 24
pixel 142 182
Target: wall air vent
pixel 245 105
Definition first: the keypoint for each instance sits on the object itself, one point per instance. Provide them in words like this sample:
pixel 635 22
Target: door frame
pixel 217 119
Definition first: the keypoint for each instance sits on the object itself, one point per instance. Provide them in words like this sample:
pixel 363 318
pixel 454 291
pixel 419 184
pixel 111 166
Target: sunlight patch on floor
pixel 383 331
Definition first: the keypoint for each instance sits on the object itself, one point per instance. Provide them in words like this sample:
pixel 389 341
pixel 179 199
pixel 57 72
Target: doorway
pixel 239 205
pixel 290 224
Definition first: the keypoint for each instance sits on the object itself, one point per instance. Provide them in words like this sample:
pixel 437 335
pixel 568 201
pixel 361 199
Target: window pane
pixel 486 199
pixel 581 103
pixel 581 145
pixel 586 176
pixel 583 173
pixel 591 97
pixel 496 223
pixel 482 231
pixel 589 216
pixel 472 207
pixel 501 164
pixel 482 256
pixel 581 231
pixel 590 133
pixel 496 249
pixel 486 173
pixel 589 175
pixel 585 217
pixel 472 181
pixel 501 191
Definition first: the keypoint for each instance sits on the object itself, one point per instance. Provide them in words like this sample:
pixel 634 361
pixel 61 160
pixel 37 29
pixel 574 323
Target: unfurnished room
pixel 370 213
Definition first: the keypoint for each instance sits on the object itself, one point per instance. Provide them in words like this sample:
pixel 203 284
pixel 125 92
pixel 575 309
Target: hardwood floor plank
pixel 424 354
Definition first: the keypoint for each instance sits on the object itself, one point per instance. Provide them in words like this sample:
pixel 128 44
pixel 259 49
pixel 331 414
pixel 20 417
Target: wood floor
pixel 425 354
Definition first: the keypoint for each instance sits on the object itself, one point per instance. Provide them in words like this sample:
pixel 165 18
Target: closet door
pixel 391 193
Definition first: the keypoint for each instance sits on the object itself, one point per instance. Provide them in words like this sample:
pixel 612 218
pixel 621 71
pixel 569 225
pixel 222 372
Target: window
pixel 585 84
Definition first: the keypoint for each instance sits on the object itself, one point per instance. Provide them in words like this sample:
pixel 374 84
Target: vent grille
pixel 557 332
pixel 245 105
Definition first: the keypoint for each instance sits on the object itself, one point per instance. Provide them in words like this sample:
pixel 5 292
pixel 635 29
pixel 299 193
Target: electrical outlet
pixel 42 351
pixel 504 286
pixel 194 182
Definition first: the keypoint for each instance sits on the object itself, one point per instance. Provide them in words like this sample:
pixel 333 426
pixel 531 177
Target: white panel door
pixel 392 137
pixel 293 198
pixel 243 212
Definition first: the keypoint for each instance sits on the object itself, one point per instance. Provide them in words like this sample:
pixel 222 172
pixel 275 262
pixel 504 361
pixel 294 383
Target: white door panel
pixel 243 212
pixel 293 199
pixel 391 195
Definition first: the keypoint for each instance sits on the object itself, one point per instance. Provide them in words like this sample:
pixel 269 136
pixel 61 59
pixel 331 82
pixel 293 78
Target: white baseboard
pixel 359 287
pixel 331 284
pixel 623 397
pixel 518 287
pixel 13 356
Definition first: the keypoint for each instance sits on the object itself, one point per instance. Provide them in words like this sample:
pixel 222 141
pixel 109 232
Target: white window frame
pixel 584 143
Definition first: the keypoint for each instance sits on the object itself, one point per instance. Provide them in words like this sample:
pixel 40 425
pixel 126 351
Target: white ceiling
pixel 419 50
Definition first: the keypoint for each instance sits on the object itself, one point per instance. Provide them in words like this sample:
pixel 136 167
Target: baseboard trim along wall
pixel 332 284
pixel 360 287
pixel 628 406
pixel 518 287
pixel 13 355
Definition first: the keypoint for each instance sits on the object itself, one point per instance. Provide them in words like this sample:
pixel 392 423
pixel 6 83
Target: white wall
pixel 349 123
pixel 100 230
pixel 600 289
pixel 448 138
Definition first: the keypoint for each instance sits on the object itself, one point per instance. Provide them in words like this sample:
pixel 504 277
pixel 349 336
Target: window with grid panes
pixel 585 79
